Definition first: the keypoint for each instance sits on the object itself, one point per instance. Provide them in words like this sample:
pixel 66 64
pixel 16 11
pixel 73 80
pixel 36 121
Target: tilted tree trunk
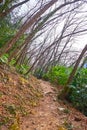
pixel 66 89
pixel 26 26
pixel 30 22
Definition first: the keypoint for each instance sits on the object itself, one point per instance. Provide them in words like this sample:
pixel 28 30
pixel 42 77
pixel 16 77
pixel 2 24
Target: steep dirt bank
pixel 17 97
pixel 33 105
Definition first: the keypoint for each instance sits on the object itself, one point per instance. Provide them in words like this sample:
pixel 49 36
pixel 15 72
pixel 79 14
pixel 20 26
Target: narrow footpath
pixel 52 114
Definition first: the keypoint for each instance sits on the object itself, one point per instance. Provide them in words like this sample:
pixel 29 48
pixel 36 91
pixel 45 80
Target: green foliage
pixel 58 74
pixel 78 87
pixel 78 97
pixel 46 76
pixel 12 62
pixel 78 91
pixel 9 26
pixel 4 6
pixel 4 58
pixel 7 31
pixel 80 78
pixel 22 69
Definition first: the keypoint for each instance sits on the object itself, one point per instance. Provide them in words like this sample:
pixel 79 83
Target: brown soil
pixel 33 105
pixel 52 114
pixel 17 97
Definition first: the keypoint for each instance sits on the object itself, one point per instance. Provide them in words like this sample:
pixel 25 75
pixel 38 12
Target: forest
pixel 43 40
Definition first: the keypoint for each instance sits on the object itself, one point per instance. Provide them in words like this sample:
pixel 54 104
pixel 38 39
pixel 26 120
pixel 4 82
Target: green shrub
pixel 46 76
pixel 80 79
pixel 78 97
pixel 12 62
pixel 78 91
pixel 78 87
pixel 4 58
pixel 22 69
pixel 58 74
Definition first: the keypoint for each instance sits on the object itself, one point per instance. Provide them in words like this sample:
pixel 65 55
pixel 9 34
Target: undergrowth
pixel 20 68
pixel 58 75
pixel 78 88
pixel 78 92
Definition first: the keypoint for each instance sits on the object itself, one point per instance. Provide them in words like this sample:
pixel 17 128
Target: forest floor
pixel 33 105
pixel 52 114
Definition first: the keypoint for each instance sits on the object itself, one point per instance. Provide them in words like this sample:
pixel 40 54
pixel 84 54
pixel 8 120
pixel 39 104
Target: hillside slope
pixel 53 114
pixel 33 105
pixel 17 97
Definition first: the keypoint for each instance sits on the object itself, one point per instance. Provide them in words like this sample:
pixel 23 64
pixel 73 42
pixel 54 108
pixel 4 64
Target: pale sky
pixel 80 41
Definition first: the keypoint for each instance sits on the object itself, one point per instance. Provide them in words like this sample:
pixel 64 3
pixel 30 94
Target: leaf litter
pixel 31 104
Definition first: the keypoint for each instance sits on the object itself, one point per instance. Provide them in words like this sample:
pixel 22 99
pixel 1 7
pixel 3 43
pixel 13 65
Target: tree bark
pixel 65 92
pixel 31 21
pixel 26 26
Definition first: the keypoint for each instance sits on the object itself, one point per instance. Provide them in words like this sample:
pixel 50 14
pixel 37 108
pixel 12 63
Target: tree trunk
pixel 26 26
pixel 30 22
pixel 65 92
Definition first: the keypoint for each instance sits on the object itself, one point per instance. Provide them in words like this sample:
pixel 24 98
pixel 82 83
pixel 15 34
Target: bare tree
pixel 7 11
pixel 66 89
pixel 33 19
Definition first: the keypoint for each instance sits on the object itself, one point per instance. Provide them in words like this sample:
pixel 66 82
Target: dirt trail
pixel 51 114
pixel 45 115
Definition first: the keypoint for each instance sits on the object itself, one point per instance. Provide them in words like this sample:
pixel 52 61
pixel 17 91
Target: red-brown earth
pixel 33 105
